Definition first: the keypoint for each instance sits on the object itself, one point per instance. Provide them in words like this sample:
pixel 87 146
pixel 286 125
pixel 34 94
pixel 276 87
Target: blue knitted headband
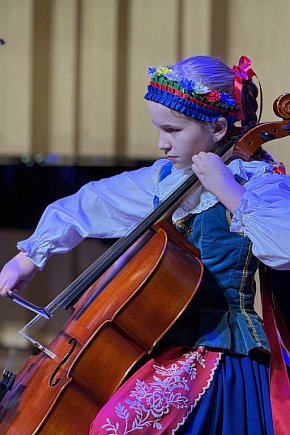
pixel 189 97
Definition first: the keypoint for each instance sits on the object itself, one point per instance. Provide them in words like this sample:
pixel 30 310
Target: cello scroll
pixel 267 131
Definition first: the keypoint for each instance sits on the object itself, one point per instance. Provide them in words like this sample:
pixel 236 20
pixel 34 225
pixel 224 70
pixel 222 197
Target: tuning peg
pixel 266 136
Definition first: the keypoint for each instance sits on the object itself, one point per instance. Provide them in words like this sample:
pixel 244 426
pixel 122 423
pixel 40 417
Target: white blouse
pixel 112 207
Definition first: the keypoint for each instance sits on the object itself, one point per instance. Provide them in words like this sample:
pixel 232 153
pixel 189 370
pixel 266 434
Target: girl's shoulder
pixel 248 170
pixel 259 175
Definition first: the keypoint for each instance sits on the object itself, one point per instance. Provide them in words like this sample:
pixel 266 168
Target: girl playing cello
pixel 215 378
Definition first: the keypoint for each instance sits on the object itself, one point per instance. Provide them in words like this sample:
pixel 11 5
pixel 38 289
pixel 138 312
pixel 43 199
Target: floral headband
pixel 193 98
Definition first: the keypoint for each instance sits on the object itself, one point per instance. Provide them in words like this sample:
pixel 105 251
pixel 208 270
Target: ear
pixel 219 129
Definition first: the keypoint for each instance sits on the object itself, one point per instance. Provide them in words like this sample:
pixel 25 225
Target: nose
pixel 163 143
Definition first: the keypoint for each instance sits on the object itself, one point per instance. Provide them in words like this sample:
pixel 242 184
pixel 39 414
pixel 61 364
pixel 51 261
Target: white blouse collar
pixel 202 200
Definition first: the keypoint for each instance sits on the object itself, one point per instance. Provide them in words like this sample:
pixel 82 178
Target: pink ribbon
pixel 243 71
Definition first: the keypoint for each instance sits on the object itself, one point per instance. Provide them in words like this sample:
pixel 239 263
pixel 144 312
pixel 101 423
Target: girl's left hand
pixel 211 171
pixel 217 179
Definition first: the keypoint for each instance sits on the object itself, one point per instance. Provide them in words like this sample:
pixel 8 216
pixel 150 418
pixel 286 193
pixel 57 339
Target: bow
pixel 243 71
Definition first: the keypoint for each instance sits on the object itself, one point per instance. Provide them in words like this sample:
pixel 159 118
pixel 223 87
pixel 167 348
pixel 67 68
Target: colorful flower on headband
pixel 159 71
pixel 226 98
pixel 186 84
pixel 151 70
pixel 199 88
pixel 213 96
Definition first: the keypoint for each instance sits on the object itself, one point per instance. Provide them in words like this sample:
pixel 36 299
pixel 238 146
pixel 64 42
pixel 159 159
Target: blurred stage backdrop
pixel 72 80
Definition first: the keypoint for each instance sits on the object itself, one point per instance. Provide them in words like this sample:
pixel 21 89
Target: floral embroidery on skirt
pixel 160 395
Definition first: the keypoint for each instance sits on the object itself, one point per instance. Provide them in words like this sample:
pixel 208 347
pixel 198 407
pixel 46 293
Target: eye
pixel 171 130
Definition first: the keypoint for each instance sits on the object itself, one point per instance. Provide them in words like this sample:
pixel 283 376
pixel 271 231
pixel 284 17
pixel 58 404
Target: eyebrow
pixel 164 126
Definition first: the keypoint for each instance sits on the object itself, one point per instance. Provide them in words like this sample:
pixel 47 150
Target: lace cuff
pixel 36 251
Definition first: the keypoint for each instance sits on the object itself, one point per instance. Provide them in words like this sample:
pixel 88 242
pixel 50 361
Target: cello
pixel 121 312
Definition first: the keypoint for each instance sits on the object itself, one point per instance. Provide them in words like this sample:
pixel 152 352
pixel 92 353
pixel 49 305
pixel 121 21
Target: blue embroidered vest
pixel 222 314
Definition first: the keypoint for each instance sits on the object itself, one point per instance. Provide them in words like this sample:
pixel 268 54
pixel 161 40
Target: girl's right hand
pixel 16 274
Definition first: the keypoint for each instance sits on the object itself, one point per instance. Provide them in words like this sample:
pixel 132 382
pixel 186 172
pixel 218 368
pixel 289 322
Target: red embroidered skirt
pixel 160 395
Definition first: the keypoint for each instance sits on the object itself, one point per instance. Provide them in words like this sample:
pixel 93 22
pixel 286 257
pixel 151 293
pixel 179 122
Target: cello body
pixel 104 340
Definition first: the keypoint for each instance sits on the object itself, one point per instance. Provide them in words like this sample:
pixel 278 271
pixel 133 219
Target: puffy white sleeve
pixel 107 208
pixel 264 216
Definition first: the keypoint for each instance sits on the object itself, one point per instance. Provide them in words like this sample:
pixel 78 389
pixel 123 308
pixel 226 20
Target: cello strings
pixel 84 280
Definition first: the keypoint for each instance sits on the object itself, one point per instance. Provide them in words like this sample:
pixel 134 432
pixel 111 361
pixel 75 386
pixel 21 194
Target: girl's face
pixel 179 136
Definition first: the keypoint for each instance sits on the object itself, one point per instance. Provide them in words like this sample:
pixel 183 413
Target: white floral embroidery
pixel 150 401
